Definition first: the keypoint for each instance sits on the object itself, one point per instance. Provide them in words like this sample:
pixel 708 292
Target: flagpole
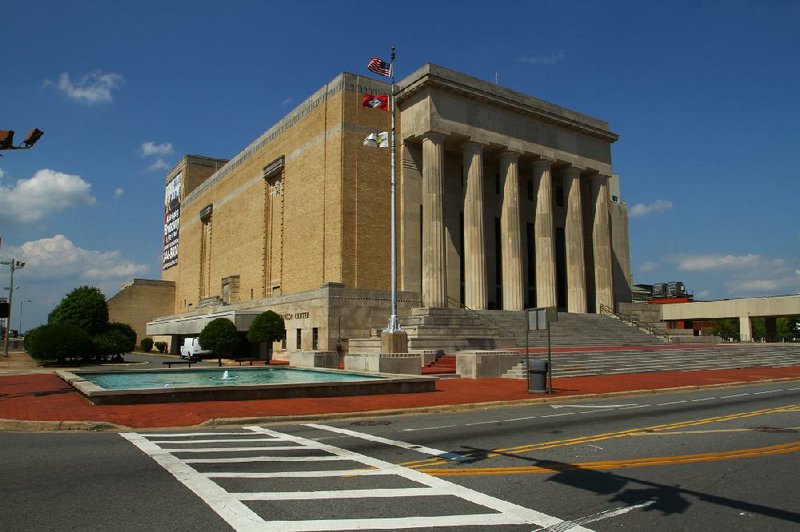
pixel 394 323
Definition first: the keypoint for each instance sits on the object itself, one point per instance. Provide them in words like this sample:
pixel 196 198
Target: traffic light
pixel 5 309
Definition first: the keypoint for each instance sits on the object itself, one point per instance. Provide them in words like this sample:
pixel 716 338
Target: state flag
pixel 374 101
pixel 377 140
pixel 380 67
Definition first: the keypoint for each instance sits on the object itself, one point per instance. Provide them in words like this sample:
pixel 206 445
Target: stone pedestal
pixel 394 342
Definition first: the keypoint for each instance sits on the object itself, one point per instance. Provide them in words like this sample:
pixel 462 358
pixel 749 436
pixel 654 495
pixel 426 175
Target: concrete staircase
pixel 572 330
pixel 642 360
pixel 453 330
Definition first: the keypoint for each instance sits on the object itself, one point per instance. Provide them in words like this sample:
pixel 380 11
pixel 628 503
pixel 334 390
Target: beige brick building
pixel 504 202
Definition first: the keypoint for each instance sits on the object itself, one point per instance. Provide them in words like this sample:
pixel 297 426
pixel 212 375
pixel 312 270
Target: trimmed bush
pixel 147 344
pixel 129 333
pixel 221 337
pixel 161 346
pixel 110 343
pixel 59 341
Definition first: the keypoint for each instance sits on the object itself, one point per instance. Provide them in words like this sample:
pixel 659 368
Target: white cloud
pixel 160 164
pixel 47 192
pixel 151 148
pixel 58 257
pixel 699 263
pixel 2 174
pixel 543 59
pixel 642 209
pixel 648 267
pixel 119 192
pixel 93 88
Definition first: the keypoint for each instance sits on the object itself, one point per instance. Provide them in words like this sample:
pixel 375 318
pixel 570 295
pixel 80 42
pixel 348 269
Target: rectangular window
pixel 315 339
pixel 299 338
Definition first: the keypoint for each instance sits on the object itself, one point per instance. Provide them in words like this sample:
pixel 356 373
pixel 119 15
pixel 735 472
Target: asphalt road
pixel 721 459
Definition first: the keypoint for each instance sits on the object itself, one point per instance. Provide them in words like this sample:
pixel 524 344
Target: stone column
pixel 434 286
pixel 601 243
pixel 475 287
pixel 545 236
pixel 511 246
pixel 745 329
pixel 573 232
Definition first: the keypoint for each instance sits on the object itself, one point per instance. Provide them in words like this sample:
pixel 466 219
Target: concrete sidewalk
pixel 36 399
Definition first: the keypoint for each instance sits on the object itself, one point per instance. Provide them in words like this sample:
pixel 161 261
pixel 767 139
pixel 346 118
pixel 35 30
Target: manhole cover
pixel 370 423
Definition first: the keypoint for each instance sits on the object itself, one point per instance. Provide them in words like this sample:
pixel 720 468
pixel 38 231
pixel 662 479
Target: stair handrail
pixel 633 320
pixel 504 332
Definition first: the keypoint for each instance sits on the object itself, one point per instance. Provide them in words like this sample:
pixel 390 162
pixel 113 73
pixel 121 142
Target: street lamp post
pixel 19 331
pixel 14 265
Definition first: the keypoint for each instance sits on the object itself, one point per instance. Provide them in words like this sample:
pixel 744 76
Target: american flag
pixel 380 67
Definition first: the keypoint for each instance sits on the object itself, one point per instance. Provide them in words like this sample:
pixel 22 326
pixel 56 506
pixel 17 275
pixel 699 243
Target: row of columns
pixel 434 282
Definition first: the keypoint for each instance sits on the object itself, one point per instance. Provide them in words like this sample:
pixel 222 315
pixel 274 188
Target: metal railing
pixel 487 321
pixel 634 322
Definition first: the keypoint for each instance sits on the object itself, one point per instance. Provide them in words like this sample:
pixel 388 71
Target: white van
pixel 191 348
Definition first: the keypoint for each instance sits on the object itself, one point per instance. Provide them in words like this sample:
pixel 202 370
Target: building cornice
pixel 435 76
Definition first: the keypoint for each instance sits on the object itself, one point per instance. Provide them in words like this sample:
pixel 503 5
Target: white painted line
pixel 396 523
pixel 430 428
pixel 396 443
pixel 519 418
pixel 606 514
pixel 703 399
pixel 233 511
pixel 558 415
pixel 221 440
pixel 236 449
pixel 634 407
pixel 594 406
pixel 509 513
pixel 597 411
pixel 792 389
pixel 189 434
pixel 300 474
pixel 339 494
pixel 246 459
pixel 734 395
pixel 670 403
pixel 767 391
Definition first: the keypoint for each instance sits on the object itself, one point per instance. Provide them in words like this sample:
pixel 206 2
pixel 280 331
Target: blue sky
pixel 703 95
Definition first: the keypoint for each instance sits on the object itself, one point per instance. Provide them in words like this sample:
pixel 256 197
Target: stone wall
pixel 140 301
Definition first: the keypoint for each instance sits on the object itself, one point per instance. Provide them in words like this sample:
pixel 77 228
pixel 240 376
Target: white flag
pixel 377 140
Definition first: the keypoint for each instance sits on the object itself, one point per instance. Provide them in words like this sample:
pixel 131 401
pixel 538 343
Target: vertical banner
pixel 172 216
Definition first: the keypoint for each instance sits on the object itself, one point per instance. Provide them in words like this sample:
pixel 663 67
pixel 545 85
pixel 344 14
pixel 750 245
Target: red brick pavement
pixel 45 397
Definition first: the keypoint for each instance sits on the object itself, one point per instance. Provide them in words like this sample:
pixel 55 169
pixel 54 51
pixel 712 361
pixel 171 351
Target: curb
pixel 14 425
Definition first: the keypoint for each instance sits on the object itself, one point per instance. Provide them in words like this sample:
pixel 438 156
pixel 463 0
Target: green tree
pixel 147 344
pixel 221 337
pixel 85 307
pixel 267 328
pixel 59 341
pixel 727 329
pixel 130 336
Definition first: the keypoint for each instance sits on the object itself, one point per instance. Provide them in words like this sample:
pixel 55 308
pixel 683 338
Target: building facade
pixel 504 202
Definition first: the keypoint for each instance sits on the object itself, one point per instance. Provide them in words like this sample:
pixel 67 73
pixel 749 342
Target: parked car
pixel 191 348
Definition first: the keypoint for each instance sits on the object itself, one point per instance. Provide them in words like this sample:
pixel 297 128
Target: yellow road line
pixel 493 453
pixel 619 464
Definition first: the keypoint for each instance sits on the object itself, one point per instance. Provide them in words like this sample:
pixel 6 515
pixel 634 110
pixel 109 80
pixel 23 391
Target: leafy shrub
pixel 147 344
pixel 220 336
pixel 59 341
pixel 85 307
pixel 161 346
pixel 129 333
pixel 110 343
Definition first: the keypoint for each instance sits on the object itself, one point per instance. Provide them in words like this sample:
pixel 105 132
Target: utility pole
pixel 14 265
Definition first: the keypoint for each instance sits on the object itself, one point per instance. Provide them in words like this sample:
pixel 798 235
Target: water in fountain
pixel 225 375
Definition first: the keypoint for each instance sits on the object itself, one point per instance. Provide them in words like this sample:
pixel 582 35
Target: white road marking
pixel 229 449
pixel 613 513
pixel 246 459
pixel 396 443
pixel 703 399
pixel 734 395
pixel 187 442
pixel 670 403
pixel 593 406
pixel 231 507
pixel 232 510
pixel 561 414
pixel 767 391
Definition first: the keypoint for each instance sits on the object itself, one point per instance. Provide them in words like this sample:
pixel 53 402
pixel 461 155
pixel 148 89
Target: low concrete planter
pixel 397 363
pixel 314 359
pixel 485 364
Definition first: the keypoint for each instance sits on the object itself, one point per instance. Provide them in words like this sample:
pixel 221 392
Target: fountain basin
pixel 166 386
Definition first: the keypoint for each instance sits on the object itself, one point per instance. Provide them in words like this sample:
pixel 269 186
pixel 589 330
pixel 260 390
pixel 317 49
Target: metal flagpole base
pixel 394 324
pixel 393 338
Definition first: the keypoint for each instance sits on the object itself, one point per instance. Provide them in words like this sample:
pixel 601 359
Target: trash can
pixel 537 376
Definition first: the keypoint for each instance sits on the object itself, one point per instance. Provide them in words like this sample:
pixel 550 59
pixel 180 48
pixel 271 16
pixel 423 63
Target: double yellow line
pixel 493 453
pixel 618 464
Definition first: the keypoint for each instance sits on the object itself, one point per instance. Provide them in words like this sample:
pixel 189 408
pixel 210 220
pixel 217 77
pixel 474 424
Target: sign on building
pixel 172 216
